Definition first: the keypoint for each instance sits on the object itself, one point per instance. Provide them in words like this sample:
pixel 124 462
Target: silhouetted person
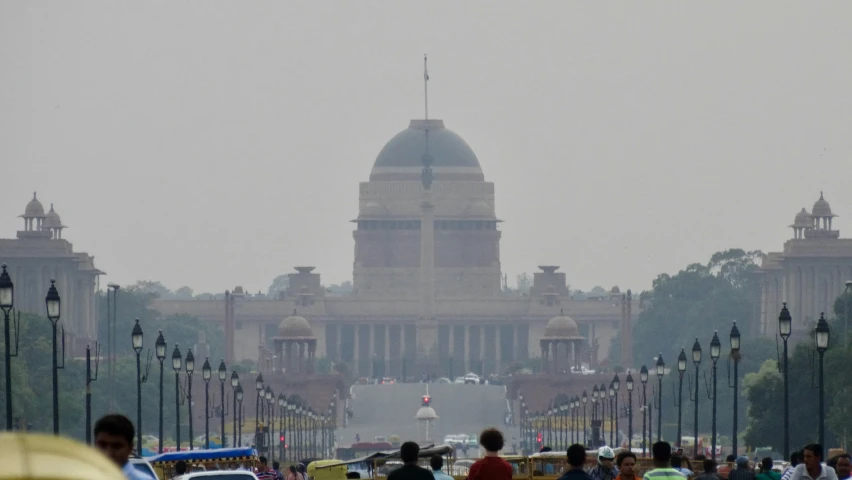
pixel 409 452
pixel 576 462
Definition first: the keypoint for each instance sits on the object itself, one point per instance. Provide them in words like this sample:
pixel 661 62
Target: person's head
pixel 545 449
pixel 576 455
pixel 180 467
pixel 302 467
pixel 491 440
pixel 436 462
pixel 677 461
pixel 605 457
pixel 114 437
pixel 276 466
pixel 679 451
pixel 292 469
pixel 626 462
pixel 766 464
pixel 263 465
pixel 796 458
pixel 742 463
pixel 731 458
pixel 709 465
pixel 813 455
pixel 662 453
pixel 409 451
pixel 842 465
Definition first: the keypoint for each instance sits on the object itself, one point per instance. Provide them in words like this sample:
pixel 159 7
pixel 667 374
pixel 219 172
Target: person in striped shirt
pixel 662 453
pixel 263 471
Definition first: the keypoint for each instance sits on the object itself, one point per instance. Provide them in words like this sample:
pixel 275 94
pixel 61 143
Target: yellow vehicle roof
pixel 45 457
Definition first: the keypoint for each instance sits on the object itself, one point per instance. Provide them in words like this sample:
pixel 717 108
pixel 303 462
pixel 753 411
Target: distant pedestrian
pixel 180 468
pixel 742 472
pixel 409 452
pixel 795 460
pixel 626 464
pixel 812 467
pixel 709 470
pixel 114 438
pixel 490 467
pixel 766 471
pixel 263 471
pixel 576 462
pixel 276 468
pixel 437 463
pixel 662 456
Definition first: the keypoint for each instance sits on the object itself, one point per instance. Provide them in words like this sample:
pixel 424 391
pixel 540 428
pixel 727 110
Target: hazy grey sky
pixel 217 143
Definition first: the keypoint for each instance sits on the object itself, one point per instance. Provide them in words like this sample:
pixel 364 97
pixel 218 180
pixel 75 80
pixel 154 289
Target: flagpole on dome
pixel 426 86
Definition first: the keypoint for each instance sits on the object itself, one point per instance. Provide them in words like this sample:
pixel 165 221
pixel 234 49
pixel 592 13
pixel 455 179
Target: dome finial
pixel 34 195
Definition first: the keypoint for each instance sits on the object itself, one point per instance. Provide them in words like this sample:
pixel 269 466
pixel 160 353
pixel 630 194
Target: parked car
pixel 471 379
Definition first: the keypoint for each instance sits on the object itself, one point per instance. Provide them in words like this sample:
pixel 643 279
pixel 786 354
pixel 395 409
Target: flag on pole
pixel 425 70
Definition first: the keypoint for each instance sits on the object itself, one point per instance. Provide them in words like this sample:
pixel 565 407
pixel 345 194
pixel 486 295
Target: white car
pixel 219 475
pixel 459 380
pixel 471 378
pixel 142 465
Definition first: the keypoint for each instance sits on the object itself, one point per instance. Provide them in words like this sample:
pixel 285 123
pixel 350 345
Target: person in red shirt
pixel 491 467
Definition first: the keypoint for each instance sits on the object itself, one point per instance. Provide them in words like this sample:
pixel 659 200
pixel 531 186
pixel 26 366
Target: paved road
pixel 384 410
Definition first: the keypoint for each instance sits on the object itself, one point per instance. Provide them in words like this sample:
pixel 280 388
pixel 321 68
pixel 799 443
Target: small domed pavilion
pixel 561 344
pixel 295 345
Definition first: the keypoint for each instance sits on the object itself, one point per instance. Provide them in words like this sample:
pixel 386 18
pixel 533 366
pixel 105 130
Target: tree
pixel 154 288
pixel 280 284
pixel 696 302
pixel 184 293
pixel 524 282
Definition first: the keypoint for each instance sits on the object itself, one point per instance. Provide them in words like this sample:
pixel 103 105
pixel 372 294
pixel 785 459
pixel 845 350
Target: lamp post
pixel 177 362
pixel 629 382
pixel 616 384
pixel 282 405
pixel 715 353
pixel 271 412
pixel 785 328
pixel 563 421
pixel 643 377
pixel 52 302
pixel 258 383
pixel 735 357
pixel 190 368
pixel 602 391
pixel 235 382
pixel 585 399
pixel 661 370
pixel 681 367
pixel 612 415
pixel 822 336
pixel 7 301
pixel 136 337
pixel 238 394
pixel 160 350
pixel 223 375
pixel 292 427
pixel 595 422
pixel 696 359
pixel 206 374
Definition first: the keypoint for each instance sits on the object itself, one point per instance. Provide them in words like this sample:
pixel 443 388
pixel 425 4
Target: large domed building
pixel 428 294
pixel 38 255
pixel 809 274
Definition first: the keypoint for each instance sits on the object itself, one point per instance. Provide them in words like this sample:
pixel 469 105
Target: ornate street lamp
pixel 661 370
pixel 238 396
pixel 629 383
pixel 206 375
pixel 177 363
pixel 585 399
pixel 643 377
pixel 160 350
pixel 785 329
pixel 282 405
pixel 136 337
pixel 735 357
pixel 681 368
pixel 822 336
pixel 612 414
pixel 52 302
pixel 596 424
pixel 223 375
pixel 190 368
pixel 696 359
pixel 7 301
pixel 715 353
pixel 235 382
pixel 616 384
pixel 258 408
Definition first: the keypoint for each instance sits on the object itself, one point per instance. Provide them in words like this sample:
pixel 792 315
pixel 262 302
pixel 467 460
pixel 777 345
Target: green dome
pixel 406 148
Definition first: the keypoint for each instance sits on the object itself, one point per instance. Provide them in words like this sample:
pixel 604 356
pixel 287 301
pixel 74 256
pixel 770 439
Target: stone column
pixel 356 355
